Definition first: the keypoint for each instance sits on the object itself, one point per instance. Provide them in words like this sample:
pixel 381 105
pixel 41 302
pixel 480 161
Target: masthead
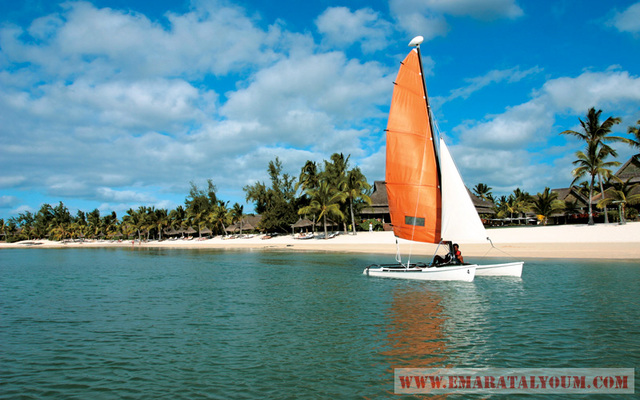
pixel 416 41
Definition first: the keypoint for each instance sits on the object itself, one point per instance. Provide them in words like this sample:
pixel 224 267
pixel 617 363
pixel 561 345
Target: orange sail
pixel 412 174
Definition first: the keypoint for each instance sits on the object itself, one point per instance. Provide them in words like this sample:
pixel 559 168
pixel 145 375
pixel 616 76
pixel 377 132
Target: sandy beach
pixel 563 241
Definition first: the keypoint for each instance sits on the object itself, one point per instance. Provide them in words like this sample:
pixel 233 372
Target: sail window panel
pixel 416 221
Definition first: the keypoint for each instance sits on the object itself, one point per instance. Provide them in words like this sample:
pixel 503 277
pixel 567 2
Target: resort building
pixel 379 208
pixel 578 202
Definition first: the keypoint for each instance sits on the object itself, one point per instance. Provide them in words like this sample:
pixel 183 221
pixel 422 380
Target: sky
pixel 117 104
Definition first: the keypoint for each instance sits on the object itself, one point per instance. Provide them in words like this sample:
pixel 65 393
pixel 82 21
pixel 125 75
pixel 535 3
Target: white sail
pixel 460 220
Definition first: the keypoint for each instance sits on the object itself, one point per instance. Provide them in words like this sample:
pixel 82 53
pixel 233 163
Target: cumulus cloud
pixel 599 89
pixel 318 93
pixel 427 17
pixel 129 196
pixel 8 201
pixel 101 103
pixel 628 20
pixel 515 136
pixel 342 28
pixel 531 121
pixel 102 42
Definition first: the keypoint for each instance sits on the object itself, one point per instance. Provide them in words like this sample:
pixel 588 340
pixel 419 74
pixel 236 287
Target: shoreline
pixel 601 241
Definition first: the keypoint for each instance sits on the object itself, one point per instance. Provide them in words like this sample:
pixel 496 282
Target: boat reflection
pixel 415 335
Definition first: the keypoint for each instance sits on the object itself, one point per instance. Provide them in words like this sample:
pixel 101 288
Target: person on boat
pixel 453 257
pixel 457 254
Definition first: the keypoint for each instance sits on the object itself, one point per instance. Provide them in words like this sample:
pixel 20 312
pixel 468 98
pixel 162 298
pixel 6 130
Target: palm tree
pixel 621 195
pixel 3 229
pixel 161 220
pixel 546 204
pixel 635 131
pixel 236 213
pixel 220 216
pixel 519 202
pixel 134 221
pixel 592 163
pixel 483 191
pixel 355 187
pixel 598 135
pixel 335 173
pixel 308 178
pixel 178 217
pixel 325 201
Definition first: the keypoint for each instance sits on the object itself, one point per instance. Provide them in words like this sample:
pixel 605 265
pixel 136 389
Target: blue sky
pixel 116 104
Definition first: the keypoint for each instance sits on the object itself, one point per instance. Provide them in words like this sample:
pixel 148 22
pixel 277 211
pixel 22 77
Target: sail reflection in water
pixel 415 333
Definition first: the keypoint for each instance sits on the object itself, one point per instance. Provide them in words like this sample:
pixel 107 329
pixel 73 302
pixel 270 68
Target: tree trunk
pixel 353 218
pixel 324 221
pixel 606 215
pixel 593 177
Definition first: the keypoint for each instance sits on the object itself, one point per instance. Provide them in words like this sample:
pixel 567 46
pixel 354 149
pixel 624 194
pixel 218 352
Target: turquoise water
pixel 197 324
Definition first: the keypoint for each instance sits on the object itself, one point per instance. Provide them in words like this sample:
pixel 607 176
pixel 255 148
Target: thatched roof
pixel 171 232
pixel 379 195
pixel 571 195
pixel 379 199
pixel 482 206
pixel 302 223
pixel 630 170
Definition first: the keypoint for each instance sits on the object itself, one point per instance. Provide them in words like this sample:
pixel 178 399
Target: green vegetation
pixel 328 195
pixel 592 162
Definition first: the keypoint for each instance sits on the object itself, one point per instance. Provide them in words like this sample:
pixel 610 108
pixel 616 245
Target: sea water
pixel 204 324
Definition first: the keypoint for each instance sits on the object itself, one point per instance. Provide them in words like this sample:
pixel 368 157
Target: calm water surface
pixel 190 324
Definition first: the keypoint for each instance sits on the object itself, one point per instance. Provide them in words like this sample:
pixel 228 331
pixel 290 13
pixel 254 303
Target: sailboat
pixel 428 201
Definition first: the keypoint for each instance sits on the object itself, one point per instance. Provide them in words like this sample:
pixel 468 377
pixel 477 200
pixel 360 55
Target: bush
pixel 377 225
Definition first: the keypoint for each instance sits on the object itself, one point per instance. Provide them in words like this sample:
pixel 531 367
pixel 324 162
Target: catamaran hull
pixel 464 273
pixel 507 269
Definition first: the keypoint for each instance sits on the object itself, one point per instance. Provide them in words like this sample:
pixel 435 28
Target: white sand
pixel 565 241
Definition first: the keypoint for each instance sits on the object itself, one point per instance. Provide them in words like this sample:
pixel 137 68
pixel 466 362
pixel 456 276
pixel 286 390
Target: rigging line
pixel 398 256
pixel 497 249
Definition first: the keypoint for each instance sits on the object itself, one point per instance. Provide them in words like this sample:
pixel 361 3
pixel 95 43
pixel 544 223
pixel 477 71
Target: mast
pixel 413 173
pixel 416 42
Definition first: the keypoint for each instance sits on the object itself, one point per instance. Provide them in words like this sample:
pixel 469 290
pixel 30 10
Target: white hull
pixel 455 273
pixel 507 269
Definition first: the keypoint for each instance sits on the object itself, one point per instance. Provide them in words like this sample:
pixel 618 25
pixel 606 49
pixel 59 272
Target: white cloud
pixel 122 110
pixel 532 121
pixel 341 27
pixel 485 9
pixel 121 196
pixel 628 20
pixel 510 75
pixel 317 93
pixel 8 201
pixel 516 127
pixel 427 17
pixel 104 42
pixel 505 147
pixel 593 89
pixel 11 180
